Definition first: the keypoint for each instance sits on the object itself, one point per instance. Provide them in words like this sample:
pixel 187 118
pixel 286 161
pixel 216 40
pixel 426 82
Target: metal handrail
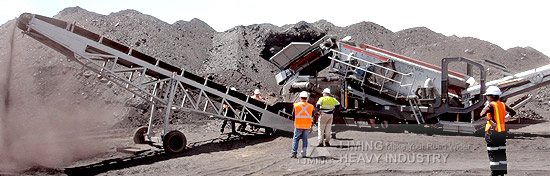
pixel 371 63
pixel 345 63
pixel 386 70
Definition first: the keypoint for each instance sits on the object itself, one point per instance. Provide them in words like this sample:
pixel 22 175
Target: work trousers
pixel 496 148
pixel 225 123
pixel 324 127
pixel 300 134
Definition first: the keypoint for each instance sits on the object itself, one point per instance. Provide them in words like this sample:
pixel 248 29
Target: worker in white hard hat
pixel 495 130
pixel 256 96
pixel 326 106
pixel 303 116
pixel 228 112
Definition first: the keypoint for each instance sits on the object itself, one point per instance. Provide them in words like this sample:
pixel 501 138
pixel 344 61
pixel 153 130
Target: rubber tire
pixel 384 124
pixel 139 135
pixel 389 125
pixel 174 142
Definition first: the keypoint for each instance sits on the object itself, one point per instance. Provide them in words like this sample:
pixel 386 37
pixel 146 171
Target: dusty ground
pixel 355 151
pixel 56 117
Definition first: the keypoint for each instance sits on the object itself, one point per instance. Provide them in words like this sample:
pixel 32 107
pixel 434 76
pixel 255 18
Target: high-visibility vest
pixel 327 103
pixel 499 112
pixel 303 115
pixel 256 98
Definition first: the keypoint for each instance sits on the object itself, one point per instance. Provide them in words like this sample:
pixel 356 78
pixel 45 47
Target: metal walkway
pixel 156 81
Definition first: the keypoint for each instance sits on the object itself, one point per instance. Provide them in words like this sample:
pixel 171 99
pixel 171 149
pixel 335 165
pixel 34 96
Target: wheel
pixel 388 125
pixel 139 135
pixel 384 124
pixel 174 142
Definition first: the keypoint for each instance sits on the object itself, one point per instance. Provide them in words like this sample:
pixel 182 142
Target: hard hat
pixel 303 94
pixel 233 89
pixel 326 90
pixel 347 38
pixel 257 91
pixel 492 90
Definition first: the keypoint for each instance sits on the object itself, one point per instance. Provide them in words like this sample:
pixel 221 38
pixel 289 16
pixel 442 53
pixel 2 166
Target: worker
pixel 302 124
pixel 228 113
pixel 495 130
pixel 256 96
pixel 326 106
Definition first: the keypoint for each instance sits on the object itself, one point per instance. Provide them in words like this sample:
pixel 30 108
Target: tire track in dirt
pixel 336 172
pixel 316 169
pixel 225 169
pixel 265 166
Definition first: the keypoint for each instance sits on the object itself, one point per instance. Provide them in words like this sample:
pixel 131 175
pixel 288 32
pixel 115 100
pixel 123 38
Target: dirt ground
pixel 353 152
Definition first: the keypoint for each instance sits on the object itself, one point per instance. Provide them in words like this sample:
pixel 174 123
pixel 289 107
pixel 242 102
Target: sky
pixel 507 23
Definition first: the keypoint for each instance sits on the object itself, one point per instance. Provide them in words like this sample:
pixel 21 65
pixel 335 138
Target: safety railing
pixel 385 78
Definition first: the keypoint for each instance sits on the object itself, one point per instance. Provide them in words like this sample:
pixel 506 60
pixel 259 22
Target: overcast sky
pixel 506 23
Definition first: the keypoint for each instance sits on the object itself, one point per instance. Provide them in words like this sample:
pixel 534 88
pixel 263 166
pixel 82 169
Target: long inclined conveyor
pixel 158 82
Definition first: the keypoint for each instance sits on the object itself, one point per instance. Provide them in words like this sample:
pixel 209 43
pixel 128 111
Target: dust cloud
pixel 42 124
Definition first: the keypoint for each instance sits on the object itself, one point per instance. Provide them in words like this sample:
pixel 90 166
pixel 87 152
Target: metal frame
pixel 384 77
pixel 162 87
pixel 443 106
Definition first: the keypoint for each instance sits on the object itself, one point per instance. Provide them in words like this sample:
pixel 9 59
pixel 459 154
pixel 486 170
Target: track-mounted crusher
pixel 381 88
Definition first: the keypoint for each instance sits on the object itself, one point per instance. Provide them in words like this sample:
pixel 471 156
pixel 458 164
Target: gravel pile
pixel 529 114
pixel 185 43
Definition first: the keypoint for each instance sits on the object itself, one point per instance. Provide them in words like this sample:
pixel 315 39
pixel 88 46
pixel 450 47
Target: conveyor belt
pixel 150 78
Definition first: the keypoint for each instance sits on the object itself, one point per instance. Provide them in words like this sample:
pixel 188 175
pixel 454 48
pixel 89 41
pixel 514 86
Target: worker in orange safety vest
pixel 495 130
pixel 242 127
pixel 228 112
pixel 256 95
pixel 303 118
